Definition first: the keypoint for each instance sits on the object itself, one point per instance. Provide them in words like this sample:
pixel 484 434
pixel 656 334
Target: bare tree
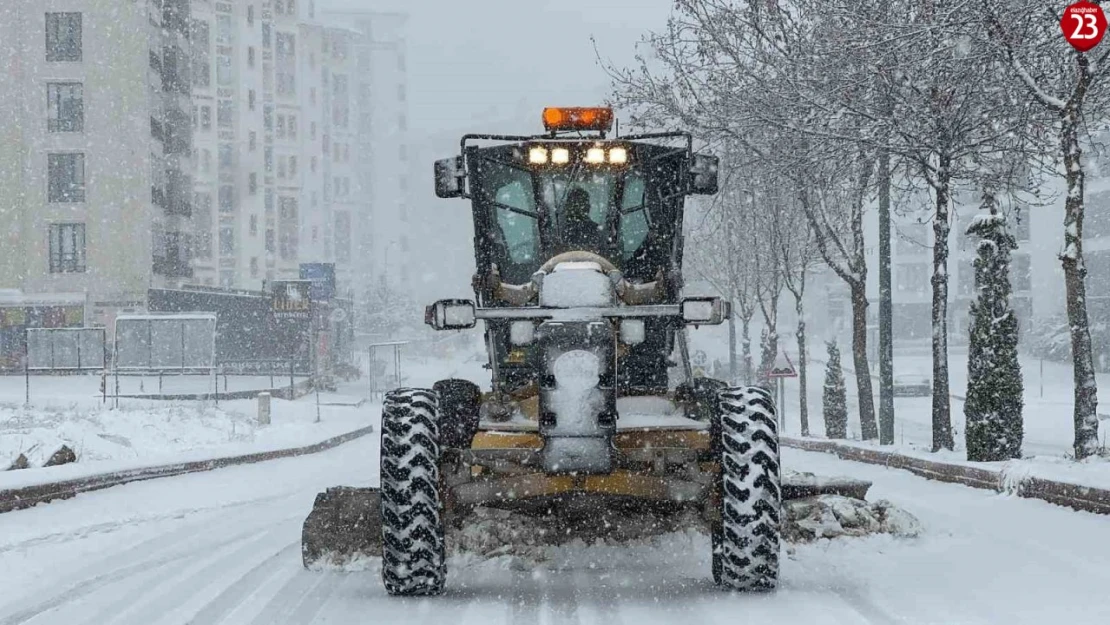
pixel 797 250
pixel 1071 88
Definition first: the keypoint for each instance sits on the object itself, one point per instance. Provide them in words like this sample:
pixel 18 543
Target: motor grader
pixel 592 407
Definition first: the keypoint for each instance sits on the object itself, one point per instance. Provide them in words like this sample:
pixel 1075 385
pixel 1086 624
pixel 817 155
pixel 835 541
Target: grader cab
pixel 591 405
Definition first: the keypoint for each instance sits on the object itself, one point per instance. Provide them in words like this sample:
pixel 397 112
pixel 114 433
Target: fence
pixel 173 342
pixel 65 349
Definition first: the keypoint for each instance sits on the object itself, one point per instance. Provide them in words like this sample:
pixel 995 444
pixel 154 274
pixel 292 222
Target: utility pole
pixel 886 317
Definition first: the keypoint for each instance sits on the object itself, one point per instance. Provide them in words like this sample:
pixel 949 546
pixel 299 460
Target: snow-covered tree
pixel 834 396
pixel 1072 89
pixel 994 387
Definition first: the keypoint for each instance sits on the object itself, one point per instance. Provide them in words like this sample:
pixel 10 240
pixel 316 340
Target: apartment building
pixel 380 138
pixel 273 102
pixel 95 150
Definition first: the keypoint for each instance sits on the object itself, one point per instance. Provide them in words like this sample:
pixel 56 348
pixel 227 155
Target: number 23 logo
pixel 1086 26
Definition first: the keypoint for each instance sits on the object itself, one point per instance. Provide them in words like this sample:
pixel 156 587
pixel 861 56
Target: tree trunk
pixel 746 348
pixel 803 403
pixel 732 364
pixel 868 429
pixel 769 348
pixel 886 317
pixel 942 407
pixel 1086 386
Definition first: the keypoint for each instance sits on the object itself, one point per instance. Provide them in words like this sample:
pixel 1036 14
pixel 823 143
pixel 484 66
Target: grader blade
pixel 344 525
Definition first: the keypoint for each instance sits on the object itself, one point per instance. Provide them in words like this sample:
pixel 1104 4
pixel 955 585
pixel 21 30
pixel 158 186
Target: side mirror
pixel 450 177
pixel 451 314
pixel 708 311
pixel 703 174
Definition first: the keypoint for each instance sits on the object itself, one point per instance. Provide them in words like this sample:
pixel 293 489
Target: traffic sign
pixel 783 367
pixel 1083 25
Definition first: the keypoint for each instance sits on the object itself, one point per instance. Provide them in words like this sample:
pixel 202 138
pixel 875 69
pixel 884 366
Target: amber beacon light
pixel 577 118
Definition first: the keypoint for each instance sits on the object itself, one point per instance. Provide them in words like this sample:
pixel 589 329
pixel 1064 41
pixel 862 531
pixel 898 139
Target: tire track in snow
pixel 97 582
pixel 236 596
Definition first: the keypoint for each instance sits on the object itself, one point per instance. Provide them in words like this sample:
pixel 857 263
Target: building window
pixel 268 201
pixel 254 225
pixel 266 35
pixel 280 131
pixel 292 166
pixel 250 14
pixel 250 99
pixel 206 158
pixel 65 107
pixel 312 163
pixel 202 66
pixel 342 236
pixel 227 156
pixel 223 70
pixel 227 279
pixel 67 177
pixel 269 240
pixel 1020 272
pixel 225 113
pixel 63 37
pixel 279 7
pixel 268 117
pixel 223 29
pixel 227 241
pixel 206 118
pixel 67 248
pixel 227 199
pixel 281 167
pixel 250 56
pixel 202 225
pixel 252 183
pixel 340 103
pixel 254 266
pixel 268 159
pixel 912 278
pixel 292 126
pixel 252 141
pixel 312 131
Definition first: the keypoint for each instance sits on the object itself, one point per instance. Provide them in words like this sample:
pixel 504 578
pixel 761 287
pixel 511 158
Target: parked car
pixel 912 385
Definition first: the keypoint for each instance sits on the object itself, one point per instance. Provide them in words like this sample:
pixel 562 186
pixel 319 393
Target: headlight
pixel 632 331
pixel 618 156
pixel 595 156
pixel 560 156
pixel 537 156
pixel 522 332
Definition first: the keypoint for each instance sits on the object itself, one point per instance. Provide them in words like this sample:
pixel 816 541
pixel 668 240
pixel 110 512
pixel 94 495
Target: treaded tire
pixel 746 539
pixel 459 402
pixel 413 551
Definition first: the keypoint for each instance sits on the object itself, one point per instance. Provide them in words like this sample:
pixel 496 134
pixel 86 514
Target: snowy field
pixel 1049 430
pixel 68 410
pixel 223 547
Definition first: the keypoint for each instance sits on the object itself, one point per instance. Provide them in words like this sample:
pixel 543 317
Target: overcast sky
pixel 492 65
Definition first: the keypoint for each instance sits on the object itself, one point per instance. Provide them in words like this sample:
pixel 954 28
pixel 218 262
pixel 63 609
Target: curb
pixel 1084 498
pixel 300 389
pixel 27 496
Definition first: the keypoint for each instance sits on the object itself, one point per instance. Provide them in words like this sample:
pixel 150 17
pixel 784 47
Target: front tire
pixel 413 551
pixel 746 538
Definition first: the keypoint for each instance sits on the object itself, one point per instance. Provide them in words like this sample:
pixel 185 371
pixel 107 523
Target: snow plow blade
pixel 344 525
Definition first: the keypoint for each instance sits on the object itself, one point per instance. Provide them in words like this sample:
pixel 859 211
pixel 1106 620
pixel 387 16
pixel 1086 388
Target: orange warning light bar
pixel 577 118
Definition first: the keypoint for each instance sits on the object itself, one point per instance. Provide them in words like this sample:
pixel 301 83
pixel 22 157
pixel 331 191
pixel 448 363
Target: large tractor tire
pixel 459 402
pixel 746 538
pixel 413 551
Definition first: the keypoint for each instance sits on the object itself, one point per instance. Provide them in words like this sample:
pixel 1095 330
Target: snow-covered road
pixel 222 547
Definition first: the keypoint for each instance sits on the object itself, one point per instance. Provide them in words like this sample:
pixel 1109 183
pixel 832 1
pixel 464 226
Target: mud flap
pixel 345 524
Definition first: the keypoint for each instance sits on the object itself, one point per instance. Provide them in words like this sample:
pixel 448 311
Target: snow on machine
pixel 593 409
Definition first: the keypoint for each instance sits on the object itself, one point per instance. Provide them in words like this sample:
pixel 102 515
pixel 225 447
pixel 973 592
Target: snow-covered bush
pixel 994 387
pixel 835 397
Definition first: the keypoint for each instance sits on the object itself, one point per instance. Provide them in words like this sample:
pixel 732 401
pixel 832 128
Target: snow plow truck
pixel 592 405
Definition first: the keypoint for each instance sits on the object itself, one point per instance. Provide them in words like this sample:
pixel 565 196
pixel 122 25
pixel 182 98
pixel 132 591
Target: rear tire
pixel 413 551
pixel 459 402
pixel 747 536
